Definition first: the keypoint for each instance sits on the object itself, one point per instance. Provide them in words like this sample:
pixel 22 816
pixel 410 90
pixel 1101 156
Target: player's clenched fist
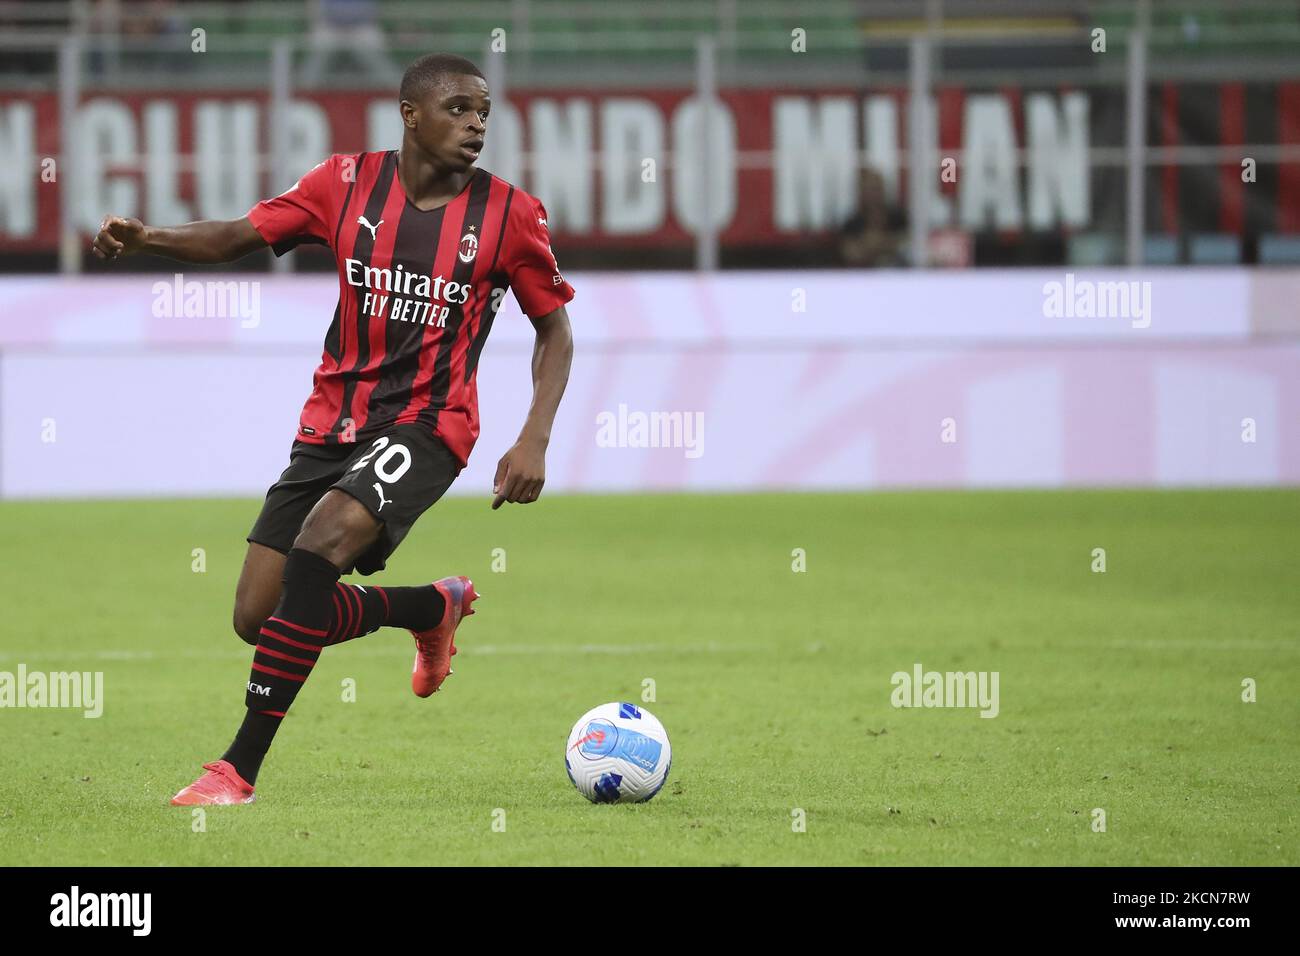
pixel 118 236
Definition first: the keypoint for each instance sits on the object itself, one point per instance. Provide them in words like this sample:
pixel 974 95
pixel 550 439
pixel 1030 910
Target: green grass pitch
pixel 1119 690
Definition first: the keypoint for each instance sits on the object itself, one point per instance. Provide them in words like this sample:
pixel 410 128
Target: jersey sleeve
pixel 302 213
pixel 529 263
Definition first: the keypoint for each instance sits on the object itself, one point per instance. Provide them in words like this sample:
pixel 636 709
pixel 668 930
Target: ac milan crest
pixel 468 247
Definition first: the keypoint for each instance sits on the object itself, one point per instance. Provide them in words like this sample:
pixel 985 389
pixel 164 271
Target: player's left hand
pixel 521 472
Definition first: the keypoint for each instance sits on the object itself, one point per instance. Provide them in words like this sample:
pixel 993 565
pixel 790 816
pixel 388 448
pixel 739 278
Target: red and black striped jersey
pixel 418 290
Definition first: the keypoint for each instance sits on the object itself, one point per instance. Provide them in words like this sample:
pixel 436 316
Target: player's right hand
pixel 118 236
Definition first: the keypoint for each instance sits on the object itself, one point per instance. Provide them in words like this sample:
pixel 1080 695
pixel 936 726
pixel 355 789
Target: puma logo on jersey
pixel 379 490
pixel 363 221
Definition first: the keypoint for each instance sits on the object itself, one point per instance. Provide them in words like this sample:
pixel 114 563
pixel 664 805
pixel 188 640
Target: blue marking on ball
pixel 606 788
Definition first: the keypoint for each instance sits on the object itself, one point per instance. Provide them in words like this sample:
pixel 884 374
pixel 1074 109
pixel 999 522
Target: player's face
pixel 451 121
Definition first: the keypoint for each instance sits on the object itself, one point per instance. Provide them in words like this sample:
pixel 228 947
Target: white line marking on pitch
pixel 1179 644
pixel 501 650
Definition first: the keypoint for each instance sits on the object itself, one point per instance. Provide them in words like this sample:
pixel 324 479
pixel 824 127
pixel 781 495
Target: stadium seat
pixel 1095 249
pixel 1278 250
pixel 1214 249
pixel 1160 251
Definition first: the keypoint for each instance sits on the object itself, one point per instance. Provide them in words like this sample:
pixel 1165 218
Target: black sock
pixel 294 635
pixel 286 652
pixel 416 608
pixel 252 742
pixel 290 642
pixel 360 610
pixel 357 611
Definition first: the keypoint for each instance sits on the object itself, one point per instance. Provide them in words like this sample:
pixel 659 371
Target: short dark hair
pixel 423 75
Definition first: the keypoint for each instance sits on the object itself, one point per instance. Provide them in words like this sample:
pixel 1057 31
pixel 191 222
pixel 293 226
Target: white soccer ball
pixel 618 753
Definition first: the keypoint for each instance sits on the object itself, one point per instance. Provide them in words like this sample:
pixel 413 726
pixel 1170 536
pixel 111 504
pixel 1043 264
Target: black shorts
pixel 397 476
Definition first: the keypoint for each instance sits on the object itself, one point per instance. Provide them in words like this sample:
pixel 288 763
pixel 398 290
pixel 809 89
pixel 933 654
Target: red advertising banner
pixel 629 168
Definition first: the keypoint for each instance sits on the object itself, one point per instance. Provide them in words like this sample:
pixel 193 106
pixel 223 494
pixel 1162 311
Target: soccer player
pixel 426 245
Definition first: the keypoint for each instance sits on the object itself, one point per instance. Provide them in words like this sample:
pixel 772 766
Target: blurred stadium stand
pixel 1220 82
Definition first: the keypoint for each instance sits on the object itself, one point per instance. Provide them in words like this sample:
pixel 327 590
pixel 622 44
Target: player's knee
pixel 246 627
pixel 340 533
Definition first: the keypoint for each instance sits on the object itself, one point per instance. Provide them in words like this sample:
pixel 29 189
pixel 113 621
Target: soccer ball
pixel 618 753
